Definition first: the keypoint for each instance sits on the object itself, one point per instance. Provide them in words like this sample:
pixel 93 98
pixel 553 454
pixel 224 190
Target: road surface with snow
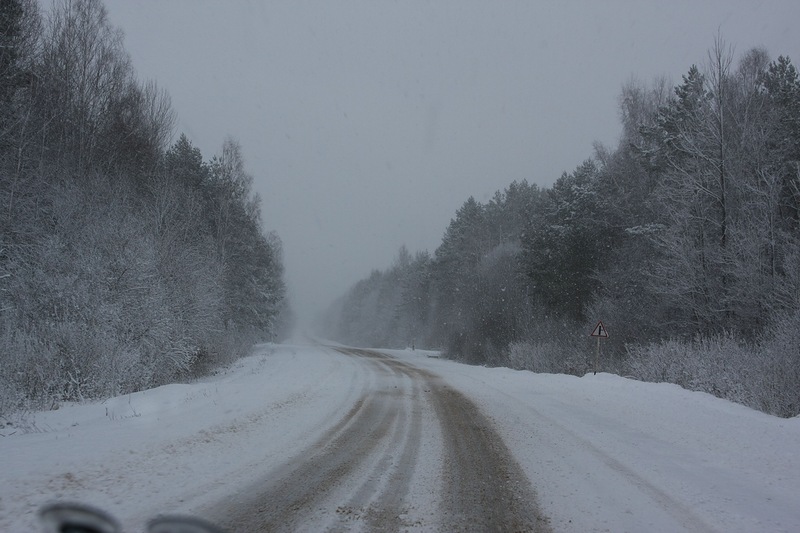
pixel 329 438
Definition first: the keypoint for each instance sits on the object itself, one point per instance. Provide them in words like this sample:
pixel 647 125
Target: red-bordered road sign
pixel 600 331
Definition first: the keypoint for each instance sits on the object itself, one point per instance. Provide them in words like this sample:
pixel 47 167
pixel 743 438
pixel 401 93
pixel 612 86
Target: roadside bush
pixel 547 357
pixel 764 376
pixel 779 376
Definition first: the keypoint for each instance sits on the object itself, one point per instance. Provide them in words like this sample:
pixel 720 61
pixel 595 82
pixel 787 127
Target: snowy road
pixel 368 471
pixel 309 438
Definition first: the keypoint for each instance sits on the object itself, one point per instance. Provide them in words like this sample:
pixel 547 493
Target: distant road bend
pixel 409 454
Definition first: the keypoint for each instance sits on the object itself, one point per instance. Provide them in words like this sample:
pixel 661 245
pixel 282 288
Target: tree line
pixel 684 239
pixel 125 262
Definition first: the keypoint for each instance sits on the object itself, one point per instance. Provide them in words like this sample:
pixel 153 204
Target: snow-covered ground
pixel 603 453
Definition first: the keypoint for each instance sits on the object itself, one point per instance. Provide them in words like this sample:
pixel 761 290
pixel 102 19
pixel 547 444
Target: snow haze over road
pixel 320 438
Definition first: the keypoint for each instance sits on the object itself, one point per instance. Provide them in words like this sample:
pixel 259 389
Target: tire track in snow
pixel 379 501
pixel 484 488
pixel 288 498
pixel 359 474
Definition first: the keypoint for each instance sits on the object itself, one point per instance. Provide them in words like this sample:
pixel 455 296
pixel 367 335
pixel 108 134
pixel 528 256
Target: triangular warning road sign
pixel 600 331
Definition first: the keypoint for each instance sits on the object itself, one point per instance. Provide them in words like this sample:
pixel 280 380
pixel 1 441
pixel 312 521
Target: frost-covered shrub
pixel 764 376
pixel 779 379
pixel 11 398
pixel 546 357
pixel 224 350
pixel 29 371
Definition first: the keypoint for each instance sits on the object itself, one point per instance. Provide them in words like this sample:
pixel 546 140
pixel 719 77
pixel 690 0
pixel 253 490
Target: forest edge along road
pixel 368 471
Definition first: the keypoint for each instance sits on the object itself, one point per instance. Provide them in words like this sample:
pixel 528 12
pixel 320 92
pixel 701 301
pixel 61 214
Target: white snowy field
pixel 603 453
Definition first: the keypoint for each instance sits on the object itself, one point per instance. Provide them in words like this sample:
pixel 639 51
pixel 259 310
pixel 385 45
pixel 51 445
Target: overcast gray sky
pixel 367 124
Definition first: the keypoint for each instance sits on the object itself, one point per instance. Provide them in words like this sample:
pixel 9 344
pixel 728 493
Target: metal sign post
pixel 600 332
